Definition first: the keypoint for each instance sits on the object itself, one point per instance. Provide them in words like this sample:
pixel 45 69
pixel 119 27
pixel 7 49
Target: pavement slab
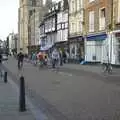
pixel 9 104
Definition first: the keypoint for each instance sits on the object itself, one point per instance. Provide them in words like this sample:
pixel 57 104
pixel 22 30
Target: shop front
pixel 76 49
pixel 113 42
pixel 93 47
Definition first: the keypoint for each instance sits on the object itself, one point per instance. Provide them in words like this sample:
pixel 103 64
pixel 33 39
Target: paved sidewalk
pixel 9 104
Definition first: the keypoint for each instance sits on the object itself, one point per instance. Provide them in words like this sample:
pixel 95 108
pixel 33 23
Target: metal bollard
pixel 5 77
pixel 22 104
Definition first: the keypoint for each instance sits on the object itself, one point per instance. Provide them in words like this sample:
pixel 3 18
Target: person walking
pixel 61 57
pixel 0 58
pixel 64 57
pixel 55 58
pixel 34 58
pixel 0 64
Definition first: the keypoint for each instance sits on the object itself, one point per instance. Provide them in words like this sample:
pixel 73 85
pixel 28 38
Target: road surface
pixel 70 94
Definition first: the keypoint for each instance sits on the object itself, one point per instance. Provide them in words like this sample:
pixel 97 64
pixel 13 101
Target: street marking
pixel 60 72
pixel 65 74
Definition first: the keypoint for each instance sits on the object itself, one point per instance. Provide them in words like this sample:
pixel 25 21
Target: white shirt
pixel 55 54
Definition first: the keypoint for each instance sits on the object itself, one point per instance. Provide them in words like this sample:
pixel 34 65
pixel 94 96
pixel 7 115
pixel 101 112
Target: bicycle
pixel 20 65
pixel 40 64
pixel 107 67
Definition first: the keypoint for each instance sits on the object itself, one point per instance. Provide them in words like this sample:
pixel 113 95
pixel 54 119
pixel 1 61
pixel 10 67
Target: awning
pixel 47 47
pixel 79 38
pixel 97 37
pixel 76 39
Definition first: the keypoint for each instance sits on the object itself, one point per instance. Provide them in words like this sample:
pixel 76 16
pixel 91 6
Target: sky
pixel 9 17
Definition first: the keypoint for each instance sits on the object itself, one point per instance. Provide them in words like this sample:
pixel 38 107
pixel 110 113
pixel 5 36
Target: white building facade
pixel 111 48
pixel 11 42
pixel 62 26
pixel 50 25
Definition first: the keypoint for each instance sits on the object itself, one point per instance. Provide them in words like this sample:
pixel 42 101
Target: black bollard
pixel 22 105
pixel 5 77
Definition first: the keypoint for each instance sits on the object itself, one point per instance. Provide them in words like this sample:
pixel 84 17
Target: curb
pixel 38 115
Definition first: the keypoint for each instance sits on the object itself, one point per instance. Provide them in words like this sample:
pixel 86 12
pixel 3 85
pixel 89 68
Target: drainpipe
pixel 68 30
pixel 84 34
pixel 34 28
pixel 111 32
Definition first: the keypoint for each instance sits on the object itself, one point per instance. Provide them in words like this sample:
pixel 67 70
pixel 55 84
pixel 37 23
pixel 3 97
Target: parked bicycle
pixel 107 67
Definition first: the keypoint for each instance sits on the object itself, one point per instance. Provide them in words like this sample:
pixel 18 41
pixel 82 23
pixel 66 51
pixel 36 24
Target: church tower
pixel 24 6
pixel 48 3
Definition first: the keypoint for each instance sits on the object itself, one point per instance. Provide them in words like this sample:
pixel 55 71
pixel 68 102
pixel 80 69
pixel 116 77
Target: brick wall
pixel 95 6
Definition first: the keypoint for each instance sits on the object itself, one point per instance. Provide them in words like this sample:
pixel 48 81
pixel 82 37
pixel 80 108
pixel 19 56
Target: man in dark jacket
pixel 20 58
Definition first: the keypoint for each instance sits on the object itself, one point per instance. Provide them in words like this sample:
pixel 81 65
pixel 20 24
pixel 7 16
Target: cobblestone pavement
pixel 71 95
pixel 9 104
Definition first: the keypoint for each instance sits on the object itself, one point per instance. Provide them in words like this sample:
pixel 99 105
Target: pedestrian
pixel 34 58
pixel 67 56
pixel 55 58
pixel 61 58
pixel 0 64
pixel 0 58
pixel 64 57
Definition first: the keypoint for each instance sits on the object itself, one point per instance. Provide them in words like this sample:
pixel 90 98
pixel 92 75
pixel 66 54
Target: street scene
pixel 60 60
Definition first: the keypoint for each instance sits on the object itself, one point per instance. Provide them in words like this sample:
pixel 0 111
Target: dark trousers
pixel 54 63
pixel 61 61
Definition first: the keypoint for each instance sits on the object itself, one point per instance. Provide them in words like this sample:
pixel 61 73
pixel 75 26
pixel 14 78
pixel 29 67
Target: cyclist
pixel 55 58
pixel 40 57
pixel 20 57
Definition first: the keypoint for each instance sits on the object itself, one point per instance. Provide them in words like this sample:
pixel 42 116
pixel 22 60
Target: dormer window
pixel 56 7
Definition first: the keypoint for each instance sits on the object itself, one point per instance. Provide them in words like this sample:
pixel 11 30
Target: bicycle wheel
pixel 110 69
pixel 40 65
pixel 104 68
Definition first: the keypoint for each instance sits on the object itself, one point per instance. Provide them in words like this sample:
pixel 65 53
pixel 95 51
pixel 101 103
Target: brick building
pixel 97 21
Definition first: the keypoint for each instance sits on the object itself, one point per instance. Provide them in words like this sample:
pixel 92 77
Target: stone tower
pixel 23 25
pixel 48 3
pixel 25 6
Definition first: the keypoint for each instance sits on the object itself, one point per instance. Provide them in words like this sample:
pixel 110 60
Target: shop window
pixel 102 16
pixel 94 57
pixel 73 50
pixel 91 21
